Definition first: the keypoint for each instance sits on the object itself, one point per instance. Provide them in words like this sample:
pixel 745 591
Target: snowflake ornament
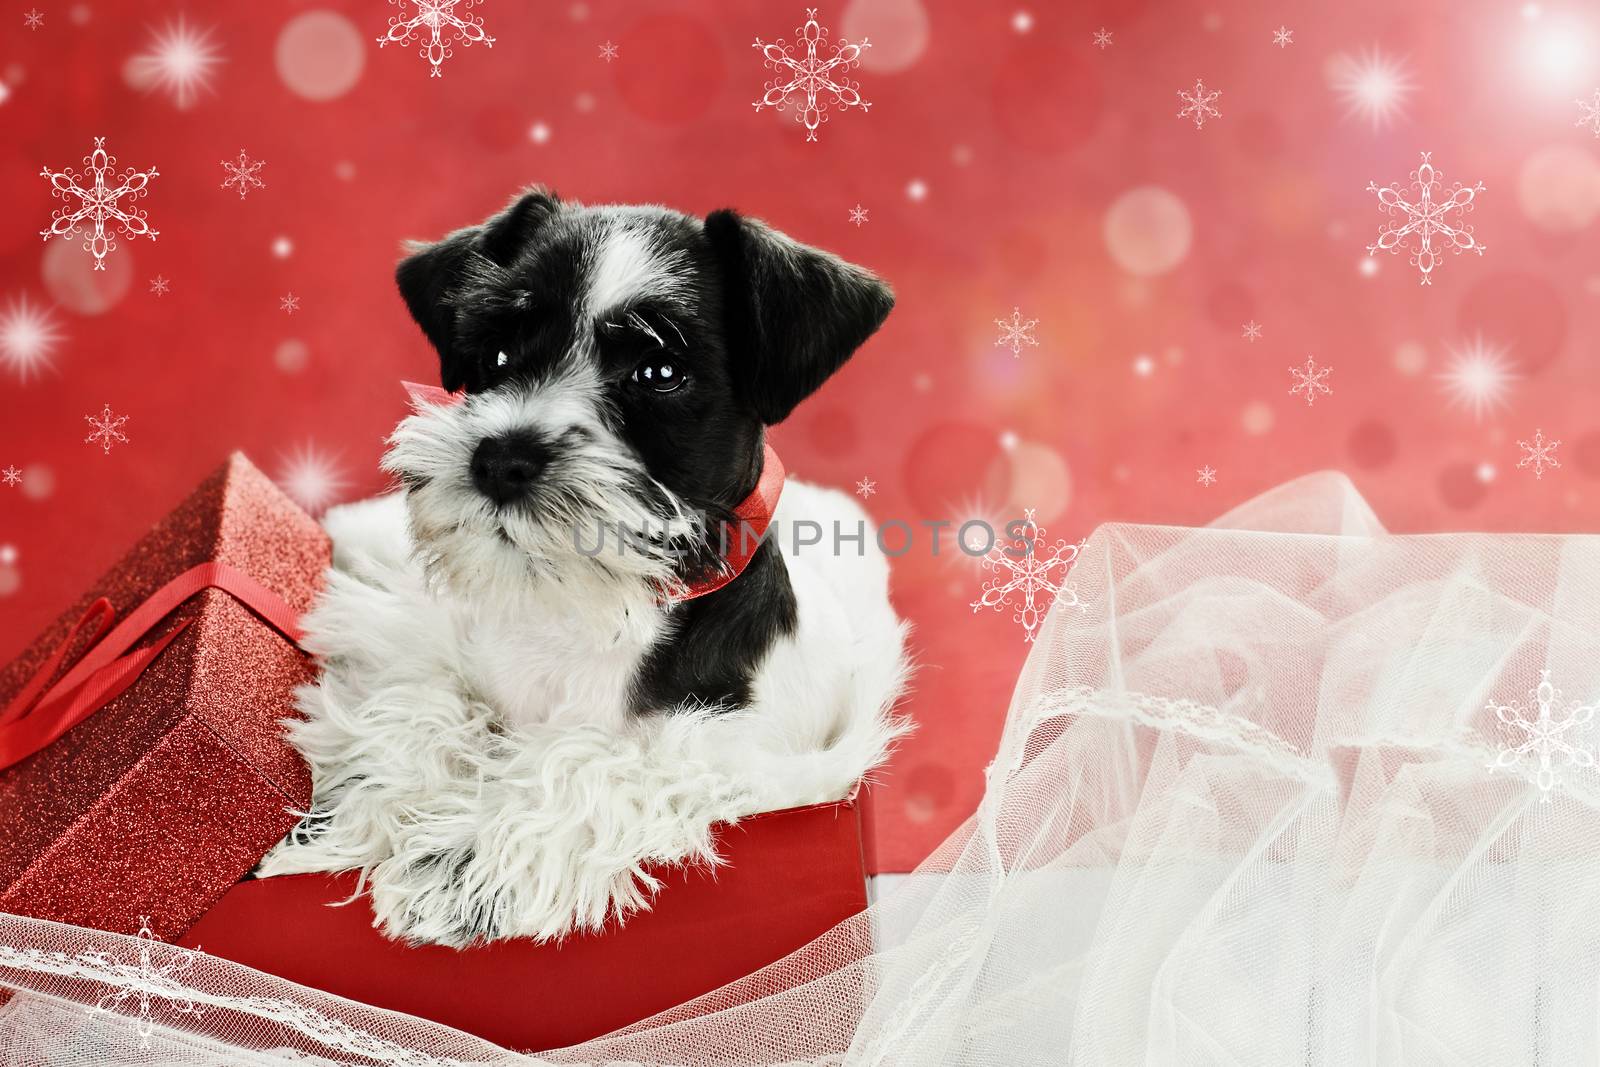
pixel 1016 333
pixel 1540 454
pixel 159 285
pixel 1029 575
pixel 289 304
pixel 1283 37
pixel 1427 219
pixel 11 476
pixel 858 215
pixel 95 212
pixel 33 18
pixel 242 175
pixel 608 51
pixel 1102 38
pixel 1309 380
pixel 815 81
pixel 106 429
pixel 1198 103
pixel 434 22
pixel 1546 730
pixel 144 983
pixel 866 487
pixel 1206 475
pixel 1252 331
pixel 1591 113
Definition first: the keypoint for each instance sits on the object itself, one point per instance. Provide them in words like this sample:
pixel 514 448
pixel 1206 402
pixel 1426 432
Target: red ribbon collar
pixel 741 538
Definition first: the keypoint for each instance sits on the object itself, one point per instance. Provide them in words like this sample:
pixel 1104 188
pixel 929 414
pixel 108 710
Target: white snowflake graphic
pixel 608 51
pixel 1540 454
pixel 1252 331
pixel 866 487
pixel 1283 37
pixel 1591 113
pixel 28 335
pixel 435 21
pixel 289 304
pixel 10 476
pixel 858 215
pixel 106 429
pixel 1030 571
pixel 312 478
pixel 33 19
pixel 242 174
pixel 1547 730
pixel 1310 380
pixel 1102 38
pixel 180 60
pixel 1206 475
pixel 1016 332
pixel 144 983
pixel 159 285
pixel 94 212
pixel 1427 219
pixel 1198 103
pixel 811 82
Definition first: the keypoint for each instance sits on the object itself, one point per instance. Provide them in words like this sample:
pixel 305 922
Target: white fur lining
pixel 464 826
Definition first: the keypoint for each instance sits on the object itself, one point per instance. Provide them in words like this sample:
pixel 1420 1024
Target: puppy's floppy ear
pixel 795 313
pixel 430 277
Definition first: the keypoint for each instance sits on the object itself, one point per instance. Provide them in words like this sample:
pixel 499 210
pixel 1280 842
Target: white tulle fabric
pixel 1243 812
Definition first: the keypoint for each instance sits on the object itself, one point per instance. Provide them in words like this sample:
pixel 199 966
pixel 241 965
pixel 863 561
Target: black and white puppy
pixel 515 721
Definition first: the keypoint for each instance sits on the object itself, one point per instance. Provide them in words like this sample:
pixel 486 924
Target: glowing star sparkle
pixel 1590 116
pixel 1428 219
pixel 180 60
pixel 144 983
pixel 811 75
pixel 866 487
pixel 438 23
pixel 1547 730
pixel 1372 86
pixel 1310 380
pixel 97 211
pixel 106 429
pixel 1016 332
pixel 1031 573
pixel 28 336
pixel 313 479
pixel 1198 103
pixel 1540 454
pixel 1477 378
pixel 242 174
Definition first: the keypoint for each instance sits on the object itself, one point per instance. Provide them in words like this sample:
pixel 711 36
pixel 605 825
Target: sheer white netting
pixel 1242 813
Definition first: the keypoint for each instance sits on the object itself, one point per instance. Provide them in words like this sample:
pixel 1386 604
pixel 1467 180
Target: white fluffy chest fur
pixel 487 772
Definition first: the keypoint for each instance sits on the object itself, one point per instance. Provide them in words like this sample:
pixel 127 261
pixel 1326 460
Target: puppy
pixel 547 666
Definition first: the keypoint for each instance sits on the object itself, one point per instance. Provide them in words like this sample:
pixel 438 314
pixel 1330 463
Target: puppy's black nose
pixel 504 468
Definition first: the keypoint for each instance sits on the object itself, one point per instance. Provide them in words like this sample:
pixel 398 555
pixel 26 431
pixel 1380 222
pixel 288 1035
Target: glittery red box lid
pixel 164 798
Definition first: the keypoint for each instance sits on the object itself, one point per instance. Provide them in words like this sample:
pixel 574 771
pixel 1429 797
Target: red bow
pixel 753 513
pixel 38 715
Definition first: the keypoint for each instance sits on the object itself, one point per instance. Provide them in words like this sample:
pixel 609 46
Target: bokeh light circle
pixel 320 55
pixel 1148 231
pixel 69 275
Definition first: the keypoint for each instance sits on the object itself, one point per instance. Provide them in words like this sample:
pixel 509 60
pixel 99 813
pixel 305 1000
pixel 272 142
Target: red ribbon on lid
pixel 41 711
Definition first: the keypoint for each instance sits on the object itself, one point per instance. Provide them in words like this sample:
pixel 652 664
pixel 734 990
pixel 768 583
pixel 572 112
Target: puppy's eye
pixel 500 360
pixel 659 376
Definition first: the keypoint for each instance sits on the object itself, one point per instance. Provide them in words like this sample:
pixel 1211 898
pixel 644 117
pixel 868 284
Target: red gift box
pixel 789 877
pixel 159 800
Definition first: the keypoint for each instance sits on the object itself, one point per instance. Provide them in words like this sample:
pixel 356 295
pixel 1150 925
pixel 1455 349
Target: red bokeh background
pixel 1006 162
